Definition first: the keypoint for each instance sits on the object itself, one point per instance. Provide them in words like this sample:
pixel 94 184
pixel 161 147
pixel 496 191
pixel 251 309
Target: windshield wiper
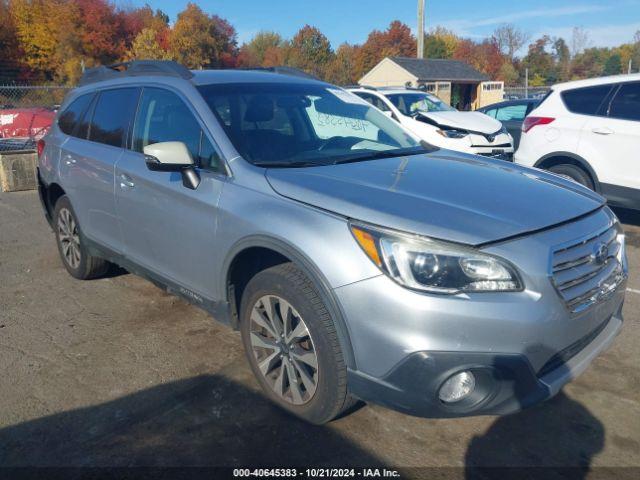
pixel 381 154
pixel 297 164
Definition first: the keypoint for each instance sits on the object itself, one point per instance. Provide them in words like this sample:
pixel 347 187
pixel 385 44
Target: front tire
pixel 71 245
pixel 292 344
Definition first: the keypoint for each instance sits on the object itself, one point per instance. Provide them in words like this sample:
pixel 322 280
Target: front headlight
pixel 435 266
pixel 452 133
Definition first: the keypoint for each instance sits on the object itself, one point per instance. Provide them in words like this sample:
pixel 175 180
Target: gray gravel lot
pixel 115 372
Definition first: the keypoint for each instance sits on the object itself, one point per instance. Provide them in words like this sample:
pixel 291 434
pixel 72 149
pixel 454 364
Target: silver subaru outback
pixel 357 262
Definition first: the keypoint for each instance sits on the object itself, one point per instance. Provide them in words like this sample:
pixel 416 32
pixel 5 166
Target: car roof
pixel 388 90
pixel 204 77
pixel 590 82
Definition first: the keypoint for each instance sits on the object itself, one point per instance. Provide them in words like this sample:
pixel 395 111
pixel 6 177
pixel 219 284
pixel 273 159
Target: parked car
pixel 589 131
pixel 356 262
pixel 32 122
pixel 439 124
pixel 511 114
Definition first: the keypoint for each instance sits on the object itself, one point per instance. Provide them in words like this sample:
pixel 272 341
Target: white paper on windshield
pixel 348 97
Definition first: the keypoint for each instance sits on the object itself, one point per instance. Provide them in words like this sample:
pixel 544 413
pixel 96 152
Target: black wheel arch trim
pixel 309 268
pixel 577 158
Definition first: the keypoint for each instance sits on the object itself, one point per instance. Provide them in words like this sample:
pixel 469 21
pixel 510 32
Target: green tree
pixel 440 43
pixel 434 47
pixel 253 52
pixel 539 60
pixel 613 65
pixel 310 51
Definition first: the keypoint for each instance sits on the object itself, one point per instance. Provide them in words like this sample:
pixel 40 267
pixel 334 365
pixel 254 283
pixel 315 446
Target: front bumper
pixel 525 345
pixel 505 383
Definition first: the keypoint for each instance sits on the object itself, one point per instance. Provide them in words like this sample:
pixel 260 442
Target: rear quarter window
pixel 586 100
pixel 71 115
pixel 626 103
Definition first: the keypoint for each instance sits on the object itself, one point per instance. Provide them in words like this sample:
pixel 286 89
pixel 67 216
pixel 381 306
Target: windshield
pixel 412 103
pixel 299 124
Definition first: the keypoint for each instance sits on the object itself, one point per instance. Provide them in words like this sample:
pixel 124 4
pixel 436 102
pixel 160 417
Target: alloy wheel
pixel 283 349
pixel 69 238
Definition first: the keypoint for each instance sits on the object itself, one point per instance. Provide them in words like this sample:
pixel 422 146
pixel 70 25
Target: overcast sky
pixel 609 22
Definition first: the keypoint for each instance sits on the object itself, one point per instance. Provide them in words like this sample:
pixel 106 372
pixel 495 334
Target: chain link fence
pixel 26 112
pixel 517 93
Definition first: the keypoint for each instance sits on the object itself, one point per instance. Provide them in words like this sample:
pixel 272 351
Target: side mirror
pixel 172 157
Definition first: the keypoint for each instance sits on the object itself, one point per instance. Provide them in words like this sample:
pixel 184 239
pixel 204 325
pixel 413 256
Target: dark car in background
pixel 511 113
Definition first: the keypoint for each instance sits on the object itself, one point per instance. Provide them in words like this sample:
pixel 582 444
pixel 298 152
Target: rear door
pixel 88 161
pixel 613 138
pixel 169 229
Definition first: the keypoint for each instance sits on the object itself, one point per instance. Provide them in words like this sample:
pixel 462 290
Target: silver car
pixel 357 262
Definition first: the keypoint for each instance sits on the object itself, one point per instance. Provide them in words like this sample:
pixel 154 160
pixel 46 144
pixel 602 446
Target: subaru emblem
pixel 600 253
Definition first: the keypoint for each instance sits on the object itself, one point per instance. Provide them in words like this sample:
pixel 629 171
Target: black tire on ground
pixel 575 173
pixel 287 282
pixel 83 266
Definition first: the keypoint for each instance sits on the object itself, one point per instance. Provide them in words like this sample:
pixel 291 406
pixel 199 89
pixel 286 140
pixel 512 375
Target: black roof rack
pixel 135 68
pixel 295 72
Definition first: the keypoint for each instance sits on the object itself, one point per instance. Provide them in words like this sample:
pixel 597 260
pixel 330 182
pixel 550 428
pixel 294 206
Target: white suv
pixel 435 122
pixel 589 130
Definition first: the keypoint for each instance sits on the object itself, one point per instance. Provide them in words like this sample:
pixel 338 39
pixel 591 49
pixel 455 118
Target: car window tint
pixel 587 100
pixel 512 112
pixel 71 115
pixel 112 116
pixel 164 117
pixel 374 100
pixel 208 156
pixel 82 130
pixel 492 112
pixel 626 103
pixel 278 119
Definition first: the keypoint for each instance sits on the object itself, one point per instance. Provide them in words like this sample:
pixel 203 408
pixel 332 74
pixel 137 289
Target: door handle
pixel 126 182
pixel 69 160
pixel 602 130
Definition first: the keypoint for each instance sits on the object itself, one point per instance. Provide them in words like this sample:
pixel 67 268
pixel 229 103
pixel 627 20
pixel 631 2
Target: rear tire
pixel 574 173
pixel 292 345
pixel 72 245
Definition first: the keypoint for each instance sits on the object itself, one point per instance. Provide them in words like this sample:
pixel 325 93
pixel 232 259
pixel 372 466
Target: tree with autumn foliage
pixel 396 41
pixel 199 40
pixel 341 70
pixel 261 46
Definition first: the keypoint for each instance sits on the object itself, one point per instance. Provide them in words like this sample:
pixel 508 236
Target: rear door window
pixel 374 100
pixel 626 103
pixel 112 116
pixel 71 115
pixel 492 112
pixel 512 112
pixel 587 100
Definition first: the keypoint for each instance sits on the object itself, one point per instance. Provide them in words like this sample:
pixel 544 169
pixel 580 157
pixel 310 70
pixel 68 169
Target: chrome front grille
pixel 589 270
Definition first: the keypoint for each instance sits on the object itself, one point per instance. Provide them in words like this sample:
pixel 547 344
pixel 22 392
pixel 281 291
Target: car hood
pixel 471 121
pixel 445 195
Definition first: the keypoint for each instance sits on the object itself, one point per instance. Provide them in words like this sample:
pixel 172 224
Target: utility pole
pixel 420 52
pixel 526 83
pixel 630 61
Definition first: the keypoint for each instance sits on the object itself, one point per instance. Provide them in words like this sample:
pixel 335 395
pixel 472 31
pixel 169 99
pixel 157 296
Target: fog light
pixel 457 387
